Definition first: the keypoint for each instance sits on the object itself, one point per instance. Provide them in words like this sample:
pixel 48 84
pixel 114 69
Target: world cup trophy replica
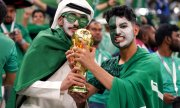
pixel 80 39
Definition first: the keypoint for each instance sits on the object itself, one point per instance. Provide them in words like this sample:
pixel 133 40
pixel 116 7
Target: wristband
pixel 22 42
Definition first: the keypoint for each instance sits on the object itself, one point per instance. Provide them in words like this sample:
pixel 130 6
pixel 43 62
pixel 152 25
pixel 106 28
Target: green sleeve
pixel 25 34
pixel 11 64
pixel 108 65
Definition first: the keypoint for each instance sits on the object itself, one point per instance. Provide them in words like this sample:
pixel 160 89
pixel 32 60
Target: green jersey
pixel 25 36
pixel 168 85
pixel 136 84
pixel 8 57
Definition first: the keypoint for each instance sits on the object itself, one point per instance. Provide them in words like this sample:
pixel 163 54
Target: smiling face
pixel 38 18
pixel 121 31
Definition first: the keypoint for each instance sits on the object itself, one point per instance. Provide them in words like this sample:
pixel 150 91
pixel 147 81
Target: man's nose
pixel 76 23
pixel 118 31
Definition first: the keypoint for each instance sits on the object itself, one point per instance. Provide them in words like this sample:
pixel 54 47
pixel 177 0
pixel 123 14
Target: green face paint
pixel 112 27
pixel 71 18
pixel 121 31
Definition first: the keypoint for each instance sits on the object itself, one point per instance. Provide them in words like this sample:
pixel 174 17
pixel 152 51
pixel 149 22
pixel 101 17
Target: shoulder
pixel 5 41
pixel 6 46
pixel 146 62
pixel 19 26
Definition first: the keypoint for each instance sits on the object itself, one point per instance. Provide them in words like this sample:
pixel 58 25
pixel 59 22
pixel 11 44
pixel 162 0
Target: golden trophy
pixel 80 39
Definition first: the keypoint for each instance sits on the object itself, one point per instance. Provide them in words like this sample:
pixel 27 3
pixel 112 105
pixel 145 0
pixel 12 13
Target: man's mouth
pixel 119 39
pixel 73 29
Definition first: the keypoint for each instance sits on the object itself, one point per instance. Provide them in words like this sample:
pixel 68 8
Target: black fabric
pixel 176 103
pixel 18 3
pixel 3 11
pixel 51 12
pixel 74 6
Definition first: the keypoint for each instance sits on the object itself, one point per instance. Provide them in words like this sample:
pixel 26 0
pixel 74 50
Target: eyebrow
pixel 123 23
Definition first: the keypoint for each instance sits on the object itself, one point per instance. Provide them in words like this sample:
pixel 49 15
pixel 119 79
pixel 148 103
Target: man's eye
pixel 123 26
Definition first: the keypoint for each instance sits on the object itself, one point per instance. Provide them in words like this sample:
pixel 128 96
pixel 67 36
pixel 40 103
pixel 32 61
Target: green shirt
pixel 25 36
pixel 8 57
pixel 34 29
pixel 100 56
pixel 168 86
pixel 133 81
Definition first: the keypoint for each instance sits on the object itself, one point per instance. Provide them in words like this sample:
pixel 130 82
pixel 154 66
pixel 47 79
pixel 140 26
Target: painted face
pixel 73 21
pixel 121 31
pixel 175 43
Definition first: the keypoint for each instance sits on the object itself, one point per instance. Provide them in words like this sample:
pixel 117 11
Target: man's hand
pixel 18 36
pixel 168 98
pixel 70 58
pixel 84 56
pixel 111 2
pixel 79 98
pixel 73 79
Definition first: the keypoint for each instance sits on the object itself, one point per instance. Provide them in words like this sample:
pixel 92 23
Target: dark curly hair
pixel 163 31
pixel 3 10
pixel 38 11
pixel 121 11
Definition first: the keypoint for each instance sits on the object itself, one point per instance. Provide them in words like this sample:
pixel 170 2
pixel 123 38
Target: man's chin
pixel 7 22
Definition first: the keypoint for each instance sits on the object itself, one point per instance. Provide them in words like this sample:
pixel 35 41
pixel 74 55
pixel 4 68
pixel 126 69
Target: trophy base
pixel 78 89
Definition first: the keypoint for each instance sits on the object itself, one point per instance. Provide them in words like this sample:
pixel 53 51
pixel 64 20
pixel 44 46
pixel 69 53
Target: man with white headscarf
pixel 44 77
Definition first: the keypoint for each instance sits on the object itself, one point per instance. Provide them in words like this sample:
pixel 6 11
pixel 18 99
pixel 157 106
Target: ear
pixel 167 40
pixel 136 29
pixel 60 21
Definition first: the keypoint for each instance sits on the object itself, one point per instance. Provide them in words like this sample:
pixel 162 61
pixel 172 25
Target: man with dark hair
pixel 16 31
pixel 38 22
pixel 45 77
pixel 168 41
pixel 8 57
pixel 147 36
pixel 132 81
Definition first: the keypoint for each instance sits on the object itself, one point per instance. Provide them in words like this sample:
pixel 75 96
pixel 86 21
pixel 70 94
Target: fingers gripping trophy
pixel 82 38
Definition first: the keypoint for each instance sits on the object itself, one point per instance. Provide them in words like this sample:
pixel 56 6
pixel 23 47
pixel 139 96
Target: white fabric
pixel 63 8
pixel 47 94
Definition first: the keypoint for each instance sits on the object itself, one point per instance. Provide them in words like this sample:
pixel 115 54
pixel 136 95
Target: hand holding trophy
pixel 82 38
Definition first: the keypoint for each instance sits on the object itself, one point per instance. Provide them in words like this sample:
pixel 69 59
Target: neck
pixel 127 53
pixel 164 51
pixel 96 46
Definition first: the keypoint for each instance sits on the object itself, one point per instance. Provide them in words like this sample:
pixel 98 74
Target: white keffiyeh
pixel 63 8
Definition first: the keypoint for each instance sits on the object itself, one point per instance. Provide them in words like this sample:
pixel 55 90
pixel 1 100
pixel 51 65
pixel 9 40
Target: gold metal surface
pixel 80 39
